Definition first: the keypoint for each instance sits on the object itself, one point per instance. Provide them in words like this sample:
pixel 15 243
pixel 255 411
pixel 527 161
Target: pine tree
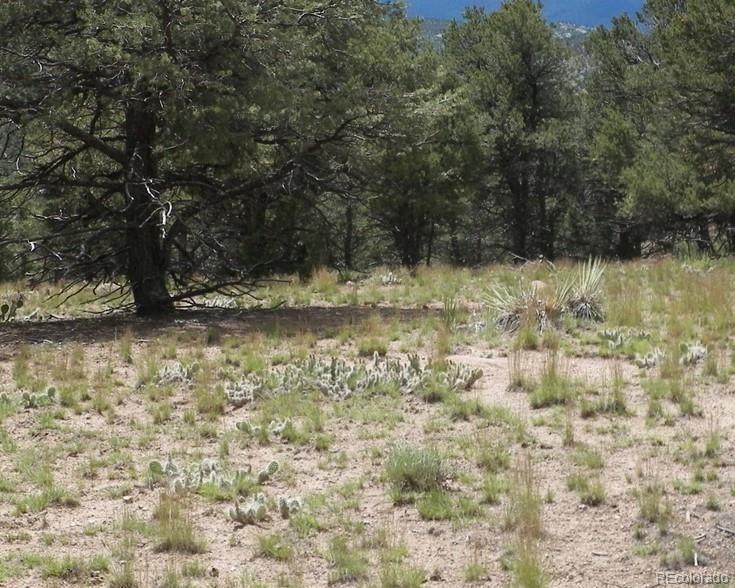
pixel 518 74
pixel 163 137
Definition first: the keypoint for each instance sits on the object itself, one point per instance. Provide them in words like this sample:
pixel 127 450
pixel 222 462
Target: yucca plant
pixel 585 297
pixel 558 301
pixel 524 304
pixel 538 306
pixel 511 305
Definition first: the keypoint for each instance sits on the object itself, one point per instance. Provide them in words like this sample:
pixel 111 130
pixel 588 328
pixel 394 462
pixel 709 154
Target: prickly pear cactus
pixel 275 428
pixel 208 471
pixel 338 379
pixel 290 505
pixel 220 302
pixel 692 353
pixel 616 338
pixel 265 474
pixel 175 373
pixel 31 400
pixel 390 279
pixel 251 512
pixel 155 473
pixel 649 360
pixel 244 391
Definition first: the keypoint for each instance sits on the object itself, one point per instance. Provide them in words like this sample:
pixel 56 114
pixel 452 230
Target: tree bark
pixel 519 227
pixel 349 229
pixel 704 243
pixel 629 244
pixel 730 232
pixel 146 263
pixel 430 246
pixel 409 225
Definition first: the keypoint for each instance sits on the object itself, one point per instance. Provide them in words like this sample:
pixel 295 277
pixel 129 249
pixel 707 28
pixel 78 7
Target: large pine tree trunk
pixel 144 240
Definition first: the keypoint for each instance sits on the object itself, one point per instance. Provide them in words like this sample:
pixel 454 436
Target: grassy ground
pixel 140 454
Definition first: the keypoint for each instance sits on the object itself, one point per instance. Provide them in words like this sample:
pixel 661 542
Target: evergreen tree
pixel 423 167
pixel 662 144
pixel 161 137
pixel 521 85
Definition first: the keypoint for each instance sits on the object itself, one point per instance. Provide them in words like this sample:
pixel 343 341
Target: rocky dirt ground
pixel 629 469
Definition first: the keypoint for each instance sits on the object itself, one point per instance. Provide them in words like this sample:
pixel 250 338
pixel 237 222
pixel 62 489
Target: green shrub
pixel 415 469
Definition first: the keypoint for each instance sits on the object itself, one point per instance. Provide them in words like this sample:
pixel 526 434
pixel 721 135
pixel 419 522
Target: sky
pixel 584 12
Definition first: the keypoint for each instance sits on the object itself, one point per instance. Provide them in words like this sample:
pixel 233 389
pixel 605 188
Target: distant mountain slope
pixel 589 13
pixel 434 28
pixel 572 33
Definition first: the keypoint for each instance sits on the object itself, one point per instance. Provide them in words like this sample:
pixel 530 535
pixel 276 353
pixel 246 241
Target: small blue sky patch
pixel 585 12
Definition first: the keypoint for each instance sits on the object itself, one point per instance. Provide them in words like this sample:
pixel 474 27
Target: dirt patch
pixel 100 455
pixel 100 329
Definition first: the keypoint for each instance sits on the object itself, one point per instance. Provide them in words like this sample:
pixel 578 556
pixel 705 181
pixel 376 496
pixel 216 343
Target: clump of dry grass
pixel 174 526
pixel 415 469
pixel 524 515
pixel 524 508
pixel 554 386
pixel 517 371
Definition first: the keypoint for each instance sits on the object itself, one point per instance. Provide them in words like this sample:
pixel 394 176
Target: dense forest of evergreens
pixel 180 147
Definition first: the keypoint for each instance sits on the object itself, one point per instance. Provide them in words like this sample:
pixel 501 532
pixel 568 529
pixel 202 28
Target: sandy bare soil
pixel 97 443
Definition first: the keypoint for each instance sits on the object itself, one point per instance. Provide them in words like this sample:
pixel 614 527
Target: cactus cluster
pixel 390 279
pixel 617 338
pixel 459 377
pixel 10 307
pixel 175 373
pixel 698 269
pixel 189 477
pixel 220 302
pixel 207 471
pixel 290 505
pixel 650 359
pixel 244 391
pixel 267 472
pixel 275 428
pixel 338 379
pixel 31 399
pixel 255 509
pixel 251 512
pixel 692 353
